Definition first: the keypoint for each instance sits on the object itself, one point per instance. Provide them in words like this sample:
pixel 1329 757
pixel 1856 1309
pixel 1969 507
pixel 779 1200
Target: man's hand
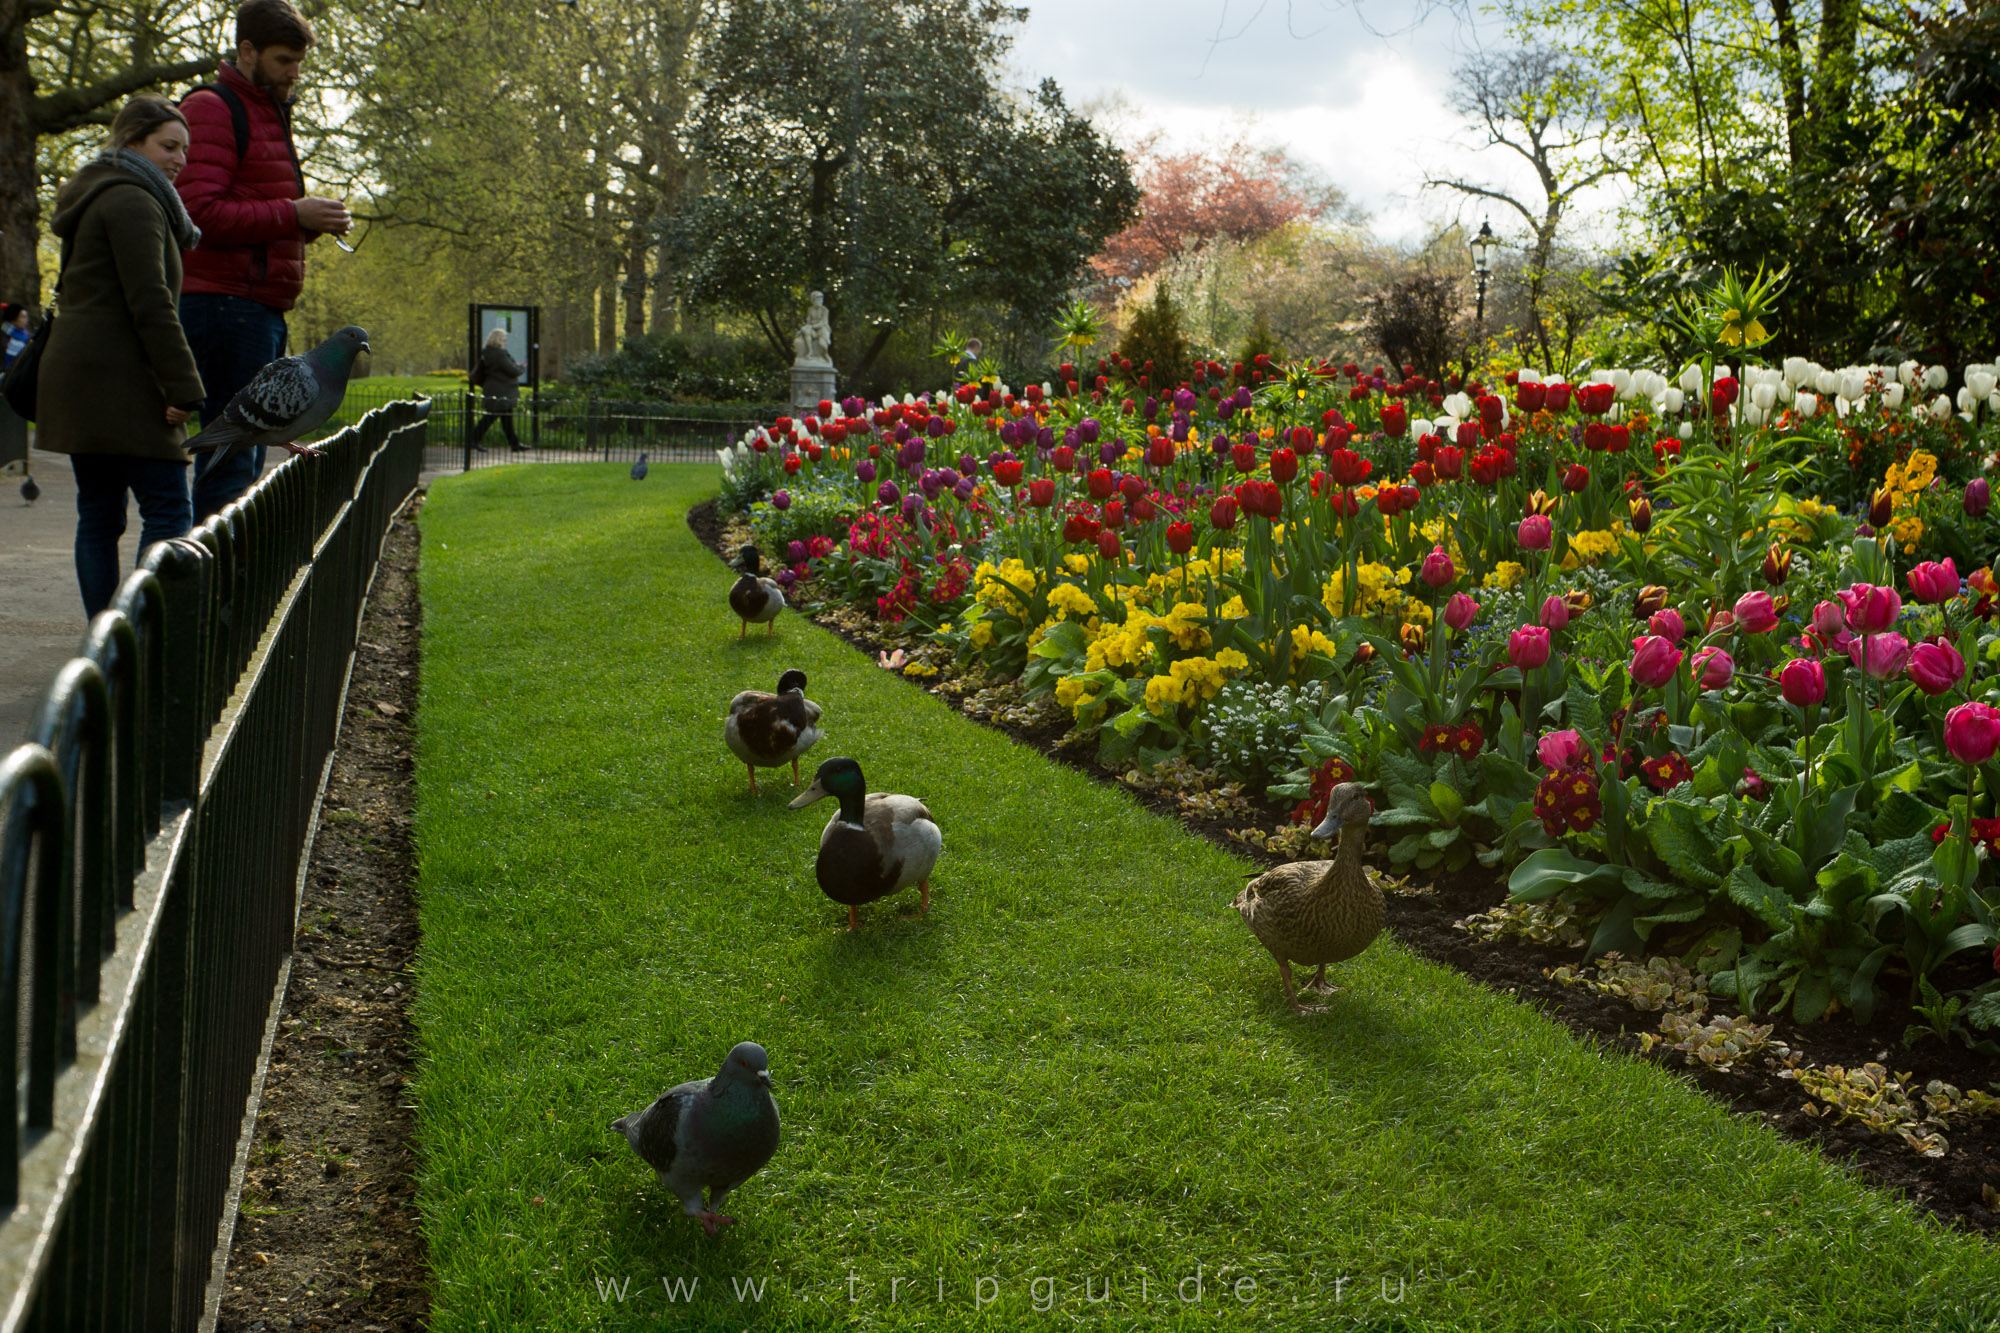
pixel 176 415
pixel 324 215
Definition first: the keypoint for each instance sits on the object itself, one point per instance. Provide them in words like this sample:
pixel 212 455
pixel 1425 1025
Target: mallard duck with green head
pixel 876 844
pixel 754 598
pixel 772 730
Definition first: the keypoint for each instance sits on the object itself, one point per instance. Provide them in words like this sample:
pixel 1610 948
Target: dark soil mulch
pixel 1956 1188
pixel 328 1236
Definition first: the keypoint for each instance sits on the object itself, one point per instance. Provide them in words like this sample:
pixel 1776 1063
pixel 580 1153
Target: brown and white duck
pixel 876 844
pixel 772 730
pixel 754 598
pixel 1319 912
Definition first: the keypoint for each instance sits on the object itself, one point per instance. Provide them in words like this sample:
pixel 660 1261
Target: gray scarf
pixel 186 235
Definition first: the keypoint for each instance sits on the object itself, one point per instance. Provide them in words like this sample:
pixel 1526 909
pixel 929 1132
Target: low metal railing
pixel 571 429
pixel 153 837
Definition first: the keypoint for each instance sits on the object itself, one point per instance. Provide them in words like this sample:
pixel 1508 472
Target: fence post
pixel 186 587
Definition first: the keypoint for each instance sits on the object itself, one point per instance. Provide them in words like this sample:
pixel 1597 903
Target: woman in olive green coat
pixel 118 380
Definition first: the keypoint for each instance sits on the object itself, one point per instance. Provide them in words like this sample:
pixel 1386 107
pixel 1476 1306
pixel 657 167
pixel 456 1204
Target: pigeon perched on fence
pixel 289 397
pixel 713 1133
pixel 31 490
pixel 639 469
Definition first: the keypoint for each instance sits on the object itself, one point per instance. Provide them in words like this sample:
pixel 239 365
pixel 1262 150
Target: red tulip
pixel 1008 472
pixel 1222 514
pixel 1577 477
pixel 1528 647
pixel 1972 732
pixel 1063 459
pixel 1349 468
pixel 1131 486
pixel 1395 419
pixel 1802 681
pixel 1530 397
pixel 1114 514
pixel 1284 465
pixel 1450 462
pixel 1080 528
pixel 1180 538
pixel 1244 456
pixel 1160 452
pixel 1041 492
pixel 1101 484
pixel 1109 546
pixel 1654 661
pixel 1558 398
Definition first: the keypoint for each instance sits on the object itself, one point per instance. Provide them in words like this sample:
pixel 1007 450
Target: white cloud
pixel 1362 96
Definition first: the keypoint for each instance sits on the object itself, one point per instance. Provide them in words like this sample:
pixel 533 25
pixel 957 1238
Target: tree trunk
pixel 20 209
pixel 1833 79
pixel 635 282
pixel 1791 73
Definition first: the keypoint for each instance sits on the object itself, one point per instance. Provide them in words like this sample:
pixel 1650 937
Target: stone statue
pixel 812 345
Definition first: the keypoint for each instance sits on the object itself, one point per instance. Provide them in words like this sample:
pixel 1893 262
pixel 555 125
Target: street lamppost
pixel 1483 245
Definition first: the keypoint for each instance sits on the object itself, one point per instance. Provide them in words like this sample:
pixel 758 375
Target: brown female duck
pixel 1319 912
pixel 772 730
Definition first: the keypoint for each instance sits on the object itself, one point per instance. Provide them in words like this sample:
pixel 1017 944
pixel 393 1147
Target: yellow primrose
pixel 1505 575
pixel 1072 693
pixel 1231 659
pixel 1164 694
pixel 982 635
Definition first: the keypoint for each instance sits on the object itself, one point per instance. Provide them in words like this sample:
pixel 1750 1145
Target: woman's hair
pixel 497 338
pixel 138 118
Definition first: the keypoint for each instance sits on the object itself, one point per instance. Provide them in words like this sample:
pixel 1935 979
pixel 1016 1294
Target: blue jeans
pixel 232 338
pixel 101 483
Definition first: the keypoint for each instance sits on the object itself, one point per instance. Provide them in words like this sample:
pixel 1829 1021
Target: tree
pixel 66 65
pixel 1238 192
pixel 1417 322
pixel 866 151
pixel 1547 108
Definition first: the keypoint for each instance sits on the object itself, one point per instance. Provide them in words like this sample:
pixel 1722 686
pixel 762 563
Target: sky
pixel 1360 92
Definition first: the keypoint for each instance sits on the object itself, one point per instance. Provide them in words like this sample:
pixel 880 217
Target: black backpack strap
pixel 239 115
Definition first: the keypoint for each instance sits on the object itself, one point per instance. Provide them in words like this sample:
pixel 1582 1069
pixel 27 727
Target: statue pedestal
pixel 810 385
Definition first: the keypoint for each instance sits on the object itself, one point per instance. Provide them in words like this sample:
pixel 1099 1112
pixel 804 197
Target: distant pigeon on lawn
pixel 713 1134
pixel 639 469
pixel 289 397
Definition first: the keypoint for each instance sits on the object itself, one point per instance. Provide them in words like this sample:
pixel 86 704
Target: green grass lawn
pixel 1080 1070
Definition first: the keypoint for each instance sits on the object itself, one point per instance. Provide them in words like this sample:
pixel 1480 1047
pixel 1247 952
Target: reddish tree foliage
pixel 1237 191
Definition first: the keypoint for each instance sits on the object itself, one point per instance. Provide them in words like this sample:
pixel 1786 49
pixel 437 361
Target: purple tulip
pixel 934 428
pixel 1045 438
pixel 1110 452
pixel 963 489
pixel 781 500
pixel 932 482
pixel 1978 496
pixel 795 552
pixel 888 493
pixel 968 465
pixel 864 470
pixel 1087 430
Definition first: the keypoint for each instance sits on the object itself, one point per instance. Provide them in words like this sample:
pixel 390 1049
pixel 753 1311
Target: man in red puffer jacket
pixel 243 188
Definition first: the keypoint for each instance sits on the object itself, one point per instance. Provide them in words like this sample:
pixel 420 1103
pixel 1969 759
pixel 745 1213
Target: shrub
pixel 695 368
pixel 1156 335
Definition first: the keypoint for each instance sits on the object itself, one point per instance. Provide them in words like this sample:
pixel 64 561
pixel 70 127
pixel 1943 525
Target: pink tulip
pixel 1654 661
pixel 1880 655
pixel 1972 732
pixel 1936 666
pixel 1528 647
pixel 1437 570
pixel 1555 613
pixel 1535 532
pixel 1802 681
pixel 1870 609
pixel 1719 620
pixel 1828 619
pixel 1756 613
pixel 1934 582
pixel 1460 611
pixel 1560 749
pixel 1667 624
pixel 1714 668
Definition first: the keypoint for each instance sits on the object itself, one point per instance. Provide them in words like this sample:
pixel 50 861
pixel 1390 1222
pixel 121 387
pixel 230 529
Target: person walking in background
pixel 499 390
pixel 118 380
pixel 14 328
pixel 243 187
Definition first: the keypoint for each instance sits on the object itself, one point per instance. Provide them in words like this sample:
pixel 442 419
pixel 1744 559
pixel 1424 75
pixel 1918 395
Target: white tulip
pixel 1806 403
pixel 1458 404
pixel 1690 380
pixel 1529 377
pixel 1908 373
pixel 1672 400
pixel 1047 391
pixel 1422 426
pixel 1721 371
pixel 1687 430
pixel 1980 380
pixel 1853 383
pixel 1842 406
pixel 1796 369
pixel 1993 402
pixel 1445 424
pixel 1762 397
pixel 1892 396
pixel 1935 377
pixel 1965 398
pixel 1940 406
pixel 1785 393
pixel 1752 414
pixel 1622 381
pixel 1827 382
pixel 910 399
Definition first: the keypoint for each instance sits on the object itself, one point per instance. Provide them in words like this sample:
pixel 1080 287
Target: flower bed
pixel 1693 658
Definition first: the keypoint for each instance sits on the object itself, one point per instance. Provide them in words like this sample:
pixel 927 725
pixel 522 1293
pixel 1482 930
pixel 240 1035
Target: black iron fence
pixel 569 428
pixel 153 837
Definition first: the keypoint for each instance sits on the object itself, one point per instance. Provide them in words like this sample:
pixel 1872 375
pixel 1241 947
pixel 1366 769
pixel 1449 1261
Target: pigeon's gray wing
pixel 654 1133
pixel 277 400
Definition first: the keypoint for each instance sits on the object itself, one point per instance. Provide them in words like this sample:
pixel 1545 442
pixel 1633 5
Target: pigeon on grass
pixel 287 398
pixel 639 469
pixel 713 1133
